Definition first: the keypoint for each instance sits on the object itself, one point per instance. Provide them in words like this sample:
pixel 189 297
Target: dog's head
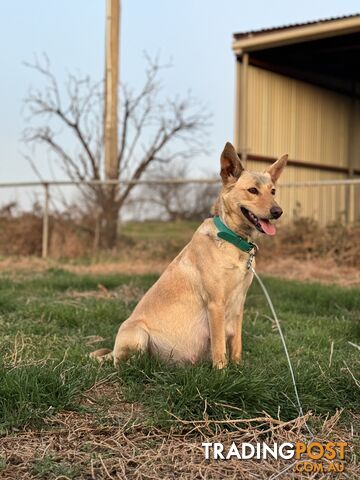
pixel 248 198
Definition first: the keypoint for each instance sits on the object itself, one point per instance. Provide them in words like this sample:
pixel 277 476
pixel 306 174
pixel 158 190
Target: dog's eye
pixel 253 190
pixel 273 191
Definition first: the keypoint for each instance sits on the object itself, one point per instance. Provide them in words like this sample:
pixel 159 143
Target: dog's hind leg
pixel 131 338
pixel 101 355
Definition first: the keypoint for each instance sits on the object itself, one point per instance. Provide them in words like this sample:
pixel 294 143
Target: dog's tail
pixel 102 355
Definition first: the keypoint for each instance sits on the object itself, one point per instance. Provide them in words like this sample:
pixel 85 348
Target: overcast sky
pixel 195 34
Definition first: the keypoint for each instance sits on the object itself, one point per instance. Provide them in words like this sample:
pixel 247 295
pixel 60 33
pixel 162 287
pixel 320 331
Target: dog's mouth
pixel 261 224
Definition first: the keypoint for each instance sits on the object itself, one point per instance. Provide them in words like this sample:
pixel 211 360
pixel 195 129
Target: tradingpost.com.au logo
pixel 309 457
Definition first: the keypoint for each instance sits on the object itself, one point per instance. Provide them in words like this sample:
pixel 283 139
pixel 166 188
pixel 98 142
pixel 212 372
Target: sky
pixel 195 35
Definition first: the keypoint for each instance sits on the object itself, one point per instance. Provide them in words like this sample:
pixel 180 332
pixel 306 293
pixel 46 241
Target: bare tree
pixel 152 131
pixel 176 201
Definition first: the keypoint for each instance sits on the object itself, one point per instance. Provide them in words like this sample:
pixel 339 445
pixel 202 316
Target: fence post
pixel 45 231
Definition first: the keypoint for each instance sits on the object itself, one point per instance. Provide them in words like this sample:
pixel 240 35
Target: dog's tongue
pixel 268 227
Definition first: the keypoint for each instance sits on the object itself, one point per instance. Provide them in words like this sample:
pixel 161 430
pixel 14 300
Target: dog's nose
pixel 276 212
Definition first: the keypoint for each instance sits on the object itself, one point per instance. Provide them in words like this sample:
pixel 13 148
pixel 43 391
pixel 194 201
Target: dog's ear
pixel 231 167
pixel 277 167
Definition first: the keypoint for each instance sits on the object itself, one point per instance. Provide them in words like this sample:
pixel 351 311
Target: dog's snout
pixel 276 212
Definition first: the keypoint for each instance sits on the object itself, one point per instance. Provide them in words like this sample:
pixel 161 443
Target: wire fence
pixel 325 202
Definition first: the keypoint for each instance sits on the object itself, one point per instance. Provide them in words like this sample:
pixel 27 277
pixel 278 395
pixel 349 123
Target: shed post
pixel 237 141
pixel 350 204
pixel 243 101
pixel 45 231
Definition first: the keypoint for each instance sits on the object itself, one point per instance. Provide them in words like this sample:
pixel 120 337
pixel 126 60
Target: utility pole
pixel 111 88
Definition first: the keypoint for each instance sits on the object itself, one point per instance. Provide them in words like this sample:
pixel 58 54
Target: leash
pixel 301 412
pixel 267 296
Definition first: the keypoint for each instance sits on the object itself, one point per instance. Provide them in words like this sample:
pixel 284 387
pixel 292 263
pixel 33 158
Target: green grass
pixel 148 240
pixel 181 230
pixel 49 467
pixel 44 366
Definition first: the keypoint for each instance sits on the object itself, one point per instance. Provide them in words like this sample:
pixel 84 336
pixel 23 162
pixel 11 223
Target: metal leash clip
pixel 252 254
pixel 250 260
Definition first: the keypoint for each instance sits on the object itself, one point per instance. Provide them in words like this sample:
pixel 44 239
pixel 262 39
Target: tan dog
pixel 197 304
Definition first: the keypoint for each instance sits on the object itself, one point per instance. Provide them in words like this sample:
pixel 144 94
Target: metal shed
pixel 298 91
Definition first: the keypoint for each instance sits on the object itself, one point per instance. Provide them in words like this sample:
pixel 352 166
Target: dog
pixel 196 307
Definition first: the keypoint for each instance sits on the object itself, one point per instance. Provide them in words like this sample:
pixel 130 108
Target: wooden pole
pixel 45 232
pixel 111 88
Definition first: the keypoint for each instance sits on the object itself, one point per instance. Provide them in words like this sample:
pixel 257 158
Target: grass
pixel 49 467
pixel 180 230
pixel 143 241
pixel 46 321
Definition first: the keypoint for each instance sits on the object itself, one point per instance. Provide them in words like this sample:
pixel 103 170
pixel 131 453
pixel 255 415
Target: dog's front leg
pixel 216 313
pixel 235 342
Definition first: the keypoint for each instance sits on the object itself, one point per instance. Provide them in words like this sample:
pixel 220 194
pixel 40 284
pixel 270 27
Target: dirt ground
pixel 323 270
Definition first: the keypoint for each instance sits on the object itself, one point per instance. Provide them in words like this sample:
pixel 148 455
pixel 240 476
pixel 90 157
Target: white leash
pixel 301 412
pixel 284 344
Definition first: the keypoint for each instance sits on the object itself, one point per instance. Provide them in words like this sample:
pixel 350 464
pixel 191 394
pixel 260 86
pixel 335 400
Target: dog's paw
pixel 236 360
pixel 220 364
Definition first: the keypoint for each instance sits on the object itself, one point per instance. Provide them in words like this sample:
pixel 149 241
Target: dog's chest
pixel 237 280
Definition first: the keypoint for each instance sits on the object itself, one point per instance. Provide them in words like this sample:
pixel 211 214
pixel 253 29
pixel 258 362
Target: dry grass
pixel 149 241
pixel 130 267
pixel 22 235
pixel 322 270
pixel 302 251
pixel 126 293
pixel 119 445
pixel 305 240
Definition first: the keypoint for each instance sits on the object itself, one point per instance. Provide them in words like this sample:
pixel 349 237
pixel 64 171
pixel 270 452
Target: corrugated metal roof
pixel 264 31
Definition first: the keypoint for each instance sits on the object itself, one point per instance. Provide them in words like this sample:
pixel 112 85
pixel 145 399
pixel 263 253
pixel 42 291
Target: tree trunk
pixel 109 222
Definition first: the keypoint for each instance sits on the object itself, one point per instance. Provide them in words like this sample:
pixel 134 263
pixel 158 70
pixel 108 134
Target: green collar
pixel 226 234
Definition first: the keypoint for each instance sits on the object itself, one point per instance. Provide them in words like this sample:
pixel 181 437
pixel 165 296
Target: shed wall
pixel 313 125
pixel 326 204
